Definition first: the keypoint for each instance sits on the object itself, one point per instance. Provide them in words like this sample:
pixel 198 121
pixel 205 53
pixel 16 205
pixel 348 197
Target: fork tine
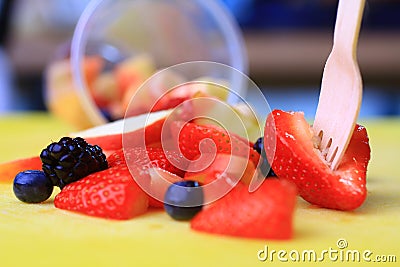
pixel 332 153
pixel 324 141
pixel 333 143
pixel 325 144
pixel 341 86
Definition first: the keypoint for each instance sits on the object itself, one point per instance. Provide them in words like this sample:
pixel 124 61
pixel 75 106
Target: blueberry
pixel 107 114
pixel 266 169
pixel 265 166
pixel 259 147
pixel 32 186
pixel 183 200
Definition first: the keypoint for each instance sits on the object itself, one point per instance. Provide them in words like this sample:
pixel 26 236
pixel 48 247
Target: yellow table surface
pixel 41 235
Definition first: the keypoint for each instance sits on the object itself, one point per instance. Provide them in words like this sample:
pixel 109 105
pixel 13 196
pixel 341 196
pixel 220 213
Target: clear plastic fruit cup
pixel 118 44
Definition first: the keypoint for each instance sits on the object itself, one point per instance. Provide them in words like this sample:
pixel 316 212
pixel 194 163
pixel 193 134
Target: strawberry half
pixel 149 158
pixel 290 146
pixel 190 135
pixel 264 213
pixel 227 166
pixel 144 162
pixel 110 194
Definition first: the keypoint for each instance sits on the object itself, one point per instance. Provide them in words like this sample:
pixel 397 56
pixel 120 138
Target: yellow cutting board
pixel 41 235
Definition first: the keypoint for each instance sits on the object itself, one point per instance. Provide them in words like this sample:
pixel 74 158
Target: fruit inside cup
pixel 111 89
pixel 106 87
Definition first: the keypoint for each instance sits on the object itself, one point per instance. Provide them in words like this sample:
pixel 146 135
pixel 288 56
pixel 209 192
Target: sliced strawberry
pixel 211 138
pixel 290 146
pixel 149 158
pixel 110 194
pixel 153 168
pixel 265 213
pixel 160 180
pixel 8 170
pixel 221 166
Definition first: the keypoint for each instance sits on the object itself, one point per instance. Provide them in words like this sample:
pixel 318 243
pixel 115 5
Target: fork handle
pixel 346 34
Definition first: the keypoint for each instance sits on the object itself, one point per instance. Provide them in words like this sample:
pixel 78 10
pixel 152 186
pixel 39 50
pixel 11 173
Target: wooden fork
pixel 341 87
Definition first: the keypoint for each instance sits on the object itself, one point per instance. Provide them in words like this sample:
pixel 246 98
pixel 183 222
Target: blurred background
pixel 287 43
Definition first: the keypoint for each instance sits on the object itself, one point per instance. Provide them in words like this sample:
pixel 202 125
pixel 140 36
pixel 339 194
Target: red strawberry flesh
pixel 194 140
pixel 148 158
pixel 142 160
pixel 290 146
pixel 265 213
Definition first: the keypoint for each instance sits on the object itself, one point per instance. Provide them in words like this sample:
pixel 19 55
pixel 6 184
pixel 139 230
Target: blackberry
pixel 70 159
pixel 259 147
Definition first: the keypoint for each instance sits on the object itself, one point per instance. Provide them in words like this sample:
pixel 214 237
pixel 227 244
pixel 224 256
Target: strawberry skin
pixel 265 213
pixel 289 145
pixel 190 135
pixel 141 160
pixel 227 166
pixel 110 194
pixel 148 158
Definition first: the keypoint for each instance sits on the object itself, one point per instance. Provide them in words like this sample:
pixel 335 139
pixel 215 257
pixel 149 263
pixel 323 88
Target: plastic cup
pixel 169 31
